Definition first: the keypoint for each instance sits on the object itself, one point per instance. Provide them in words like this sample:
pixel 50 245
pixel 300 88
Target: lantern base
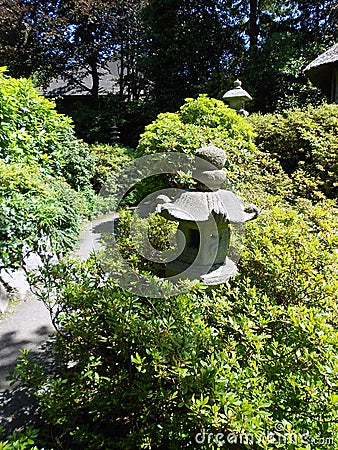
pixel 217 274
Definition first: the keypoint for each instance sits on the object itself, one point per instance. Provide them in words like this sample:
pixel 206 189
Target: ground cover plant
pixel 251 365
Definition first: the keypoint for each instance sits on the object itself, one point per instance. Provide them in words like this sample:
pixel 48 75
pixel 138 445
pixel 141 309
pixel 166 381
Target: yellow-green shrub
pixel 204 120
pixel 305 141
pixel 37 213
pixel 32 132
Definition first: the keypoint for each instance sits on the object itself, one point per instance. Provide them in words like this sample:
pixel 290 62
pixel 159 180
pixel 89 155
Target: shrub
pixel 290 253
pixel 160 232
pixel 197 123
pixel 153 373
pixel 107 160
pixel 23 440
pixel 247 360
pixel 38 214
pixel 32 132
pixel 40 162
pixel 205 120
pixel 305 141
pixel 255 360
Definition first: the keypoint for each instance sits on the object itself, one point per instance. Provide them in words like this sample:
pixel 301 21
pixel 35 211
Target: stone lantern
pixel 114 133
pixel 204 215
pixel 237 98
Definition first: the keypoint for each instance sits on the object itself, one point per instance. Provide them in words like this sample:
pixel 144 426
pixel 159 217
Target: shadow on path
pixel 29 327
pixel 11 346
pixel 18 407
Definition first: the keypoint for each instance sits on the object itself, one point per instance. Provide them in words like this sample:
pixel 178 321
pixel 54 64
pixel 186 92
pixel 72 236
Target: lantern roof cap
pixel 237 92
pixel 213 155
pixel 194 206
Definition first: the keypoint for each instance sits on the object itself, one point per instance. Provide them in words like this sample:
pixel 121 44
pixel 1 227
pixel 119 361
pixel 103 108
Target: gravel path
pixel 29 326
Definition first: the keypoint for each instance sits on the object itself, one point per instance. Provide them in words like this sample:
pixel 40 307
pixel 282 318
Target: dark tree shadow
pixel 18 407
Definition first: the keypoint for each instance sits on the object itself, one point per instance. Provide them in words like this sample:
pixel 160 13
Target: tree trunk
pixel 121 74
pixel 253 24
pixel 96 82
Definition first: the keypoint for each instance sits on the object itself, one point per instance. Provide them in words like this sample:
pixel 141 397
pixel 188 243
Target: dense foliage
pixel 305 141
pixel 167 50
pixel 252 364
pixel 32 132
pixel 23 440
pixel 94 125
pixel 42 168
pixel 38 214
pixel 203 120
pixel 245 361
pixel 107 160
pixel 48 177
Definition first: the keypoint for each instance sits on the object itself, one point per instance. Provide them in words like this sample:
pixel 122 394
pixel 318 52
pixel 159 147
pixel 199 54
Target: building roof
pixel 109 78
pixel 328 57
pixel 319 71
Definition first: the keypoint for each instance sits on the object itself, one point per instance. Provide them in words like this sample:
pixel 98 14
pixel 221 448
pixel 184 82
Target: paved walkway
pixel 29 327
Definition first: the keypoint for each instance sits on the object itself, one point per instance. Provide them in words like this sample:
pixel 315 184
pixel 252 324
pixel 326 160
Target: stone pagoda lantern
pixel 237 98
pixel 204 215
pixel 114 133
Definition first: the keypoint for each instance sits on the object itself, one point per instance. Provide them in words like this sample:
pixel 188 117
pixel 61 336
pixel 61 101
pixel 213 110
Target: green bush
pixel 305 141
pixel 250 359
pixel 107 160
pixel 160 233
pixel 197 123
pixel 153 373
pixel 40 162
pixel 291 253
pixel 256 360
pixel 205 120
pixel 24 440
pixel 109 163
pixel 32 132
pixel 38 213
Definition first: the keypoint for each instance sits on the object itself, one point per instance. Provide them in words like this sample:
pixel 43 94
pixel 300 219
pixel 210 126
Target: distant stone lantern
pixel 204 215
pixel 114 133
pixel 237 98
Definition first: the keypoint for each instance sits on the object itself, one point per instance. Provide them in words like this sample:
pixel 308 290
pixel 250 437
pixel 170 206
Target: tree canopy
pixel 171 49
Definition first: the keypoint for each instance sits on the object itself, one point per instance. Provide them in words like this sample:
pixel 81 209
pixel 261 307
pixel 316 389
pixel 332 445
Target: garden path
pixel 28 326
